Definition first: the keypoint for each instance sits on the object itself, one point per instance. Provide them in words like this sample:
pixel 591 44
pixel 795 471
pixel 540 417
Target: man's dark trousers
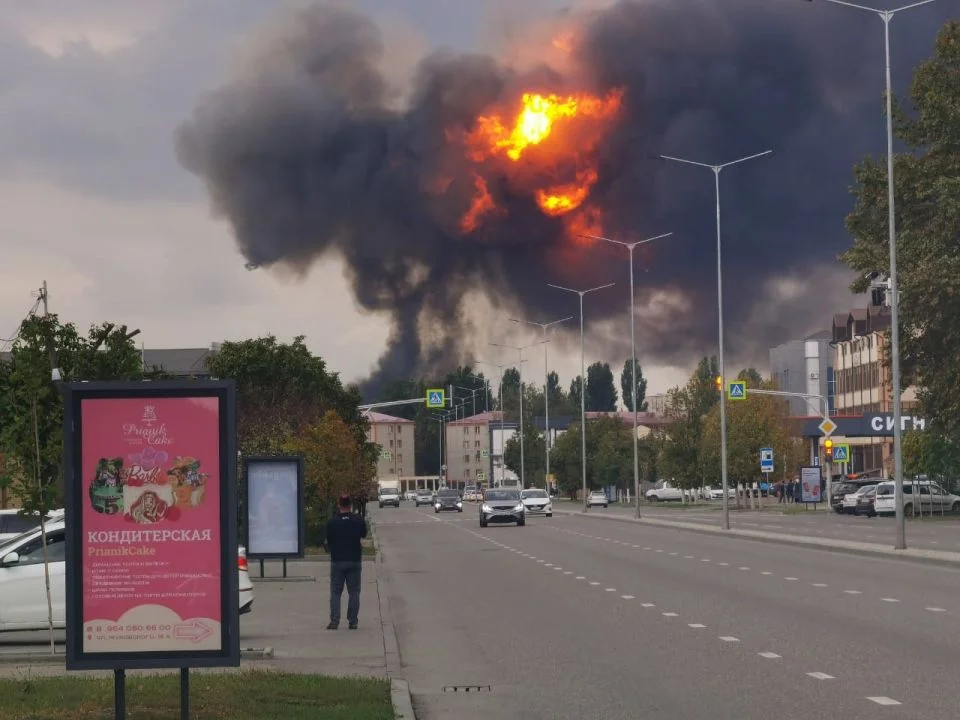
pixel 345 573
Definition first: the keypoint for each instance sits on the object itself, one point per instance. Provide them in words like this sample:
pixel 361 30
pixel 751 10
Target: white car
pixel 23 597
pixel 597 497
pixel 664 491
pixel 919 496
pixel 12 523
pixel 850 499
pixel 536 502
pixel 716 493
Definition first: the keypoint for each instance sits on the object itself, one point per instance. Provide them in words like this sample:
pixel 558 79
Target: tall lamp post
pixel 723 398
pixel 894 299
pixel 583 385
pixel 546 393
pixel 633 355
pixel 520 360
pixel 499 400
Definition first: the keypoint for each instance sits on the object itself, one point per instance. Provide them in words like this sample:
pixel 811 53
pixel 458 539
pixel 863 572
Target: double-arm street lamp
pixel 583 385
pixel 520 359
pixel 894 299
pixel 723 398
pixel 631 246
pixel 546 391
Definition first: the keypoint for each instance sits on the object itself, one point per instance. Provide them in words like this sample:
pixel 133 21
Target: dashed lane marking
pixel 821 676
pixel 883 700
pixel 769 655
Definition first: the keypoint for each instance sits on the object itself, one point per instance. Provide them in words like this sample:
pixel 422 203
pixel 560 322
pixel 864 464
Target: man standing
pixel 344 532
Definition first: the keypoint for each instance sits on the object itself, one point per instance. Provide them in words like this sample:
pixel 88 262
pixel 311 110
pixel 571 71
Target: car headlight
pixel 459 504
pixel 437 505
pixel 486 508
pixel 518 508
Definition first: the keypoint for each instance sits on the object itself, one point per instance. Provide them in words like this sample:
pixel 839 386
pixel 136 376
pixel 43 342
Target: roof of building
pixel 493 416
pixel 646 419
pixel 381 418
pixel 820 335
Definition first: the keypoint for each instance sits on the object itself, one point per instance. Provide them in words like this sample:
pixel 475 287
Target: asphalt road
pixel 573 618
pixel 926 533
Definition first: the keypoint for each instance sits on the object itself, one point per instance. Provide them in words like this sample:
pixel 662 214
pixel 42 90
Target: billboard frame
pixel 301 519
pixel 228 654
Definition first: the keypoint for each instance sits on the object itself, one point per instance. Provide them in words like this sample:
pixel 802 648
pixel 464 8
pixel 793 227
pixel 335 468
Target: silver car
pixel 536 502
pixel 597 497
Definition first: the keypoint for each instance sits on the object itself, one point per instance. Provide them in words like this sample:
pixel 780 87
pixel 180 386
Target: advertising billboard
pixel 151 512
pixel 810 484
pixel 273 503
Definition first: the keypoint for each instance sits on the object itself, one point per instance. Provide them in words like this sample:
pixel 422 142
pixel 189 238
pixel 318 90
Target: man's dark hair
pixel 345 502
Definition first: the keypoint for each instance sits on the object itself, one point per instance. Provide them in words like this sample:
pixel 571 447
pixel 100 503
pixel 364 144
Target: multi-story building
pixel 395 436
pixel 467 452
pixel 863 382
pixel 805 366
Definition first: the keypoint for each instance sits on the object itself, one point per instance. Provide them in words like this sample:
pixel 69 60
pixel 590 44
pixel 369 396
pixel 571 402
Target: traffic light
pixel 719 383
pixel 828 447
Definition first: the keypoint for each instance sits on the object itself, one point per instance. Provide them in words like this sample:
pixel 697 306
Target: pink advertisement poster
pixel 151 524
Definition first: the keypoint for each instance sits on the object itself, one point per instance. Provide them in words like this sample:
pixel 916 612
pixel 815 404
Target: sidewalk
pixel 939 557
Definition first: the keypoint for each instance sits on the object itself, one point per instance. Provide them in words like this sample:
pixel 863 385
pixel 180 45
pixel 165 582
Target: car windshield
pixel 389 491
pixel 448 494
pixel 885 490
pixel 503 495
pixel 534 493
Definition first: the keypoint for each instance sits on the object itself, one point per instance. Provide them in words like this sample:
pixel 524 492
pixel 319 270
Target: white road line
pixel 821 676
pixel 568 572
pixel 935 609
pixel 627 597
pixel 687 557
pixel 766 572
pixel 635 546
pixel 659 550
pixel 648 604
pixel 696 625
pixel 791 578
pixel 729 638
pixel 611 590
pixel 724 564
pixel 670 614
pixel 744 567
pixel 705 560
pixel 646 548
pixel 889 599
pixel 548 564
pixel 580 577
pixel 853 592
pixel 819 584
pixel 883 700
pixel 769 655
pixel 594 583
pixel 557 568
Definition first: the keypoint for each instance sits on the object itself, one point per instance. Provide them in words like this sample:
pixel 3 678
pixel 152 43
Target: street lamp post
pixel 520 361
pixel 473 397
pixel 723 398
pixel 894 300
pixel 546 393
pixel 633 355
pixel 499 400
pixel 583 386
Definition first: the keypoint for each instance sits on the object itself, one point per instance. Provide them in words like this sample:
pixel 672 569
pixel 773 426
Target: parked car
pixel 536 502
pixel 448 499
pixel 866 501
pixel 919 496
pixel 12 523
pixel 850 500
pixel 502 505
pixel 843 488
pixel 23 597
pixel 597 497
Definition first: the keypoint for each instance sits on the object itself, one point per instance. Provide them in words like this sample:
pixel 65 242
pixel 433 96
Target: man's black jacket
pixel 344 532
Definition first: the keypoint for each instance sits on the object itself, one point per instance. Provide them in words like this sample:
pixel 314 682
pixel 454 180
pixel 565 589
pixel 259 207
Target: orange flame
pixel 564 41
pixel 561 199
pixel 481 204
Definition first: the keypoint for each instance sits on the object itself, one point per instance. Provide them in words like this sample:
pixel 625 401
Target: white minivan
pixel 919 496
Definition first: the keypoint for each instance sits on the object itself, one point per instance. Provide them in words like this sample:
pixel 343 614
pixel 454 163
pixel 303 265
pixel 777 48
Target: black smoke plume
pixel 308 154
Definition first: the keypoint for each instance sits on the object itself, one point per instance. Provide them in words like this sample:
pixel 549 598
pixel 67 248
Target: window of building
pixel 466 472
pixel 391 443
pixel 466 444
pixel 390 428
pixel 399 458
pixel 466 458
pixel 476 430
pixel 398 429
pixel 476 443
pixel 399 443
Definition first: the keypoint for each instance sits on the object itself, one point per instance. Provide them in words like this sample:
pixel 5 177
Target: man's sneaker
pixel 332 626
pixel 353 626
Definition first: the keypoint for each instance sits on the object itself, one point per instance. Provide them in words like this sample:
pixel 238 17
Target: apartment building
pixel 863 382
pixel 395 436
pixel 469 443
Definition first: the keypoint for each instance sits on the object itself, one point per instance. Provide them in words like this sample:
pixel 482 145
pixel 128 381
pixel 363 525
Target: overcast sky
pixel 95 203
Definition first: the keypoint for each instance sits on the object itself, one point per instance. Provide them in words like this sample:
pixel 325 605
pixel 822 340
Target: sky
pixel 96 204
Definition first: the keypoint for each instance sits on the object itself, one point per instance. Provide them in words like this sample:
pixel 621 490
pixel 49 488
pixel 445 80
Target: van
pixel 919 497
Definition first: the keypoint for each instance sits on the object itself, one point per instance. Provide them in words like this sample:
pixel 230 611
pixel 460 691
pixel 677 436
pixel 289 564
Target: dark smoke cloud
pixel 307 154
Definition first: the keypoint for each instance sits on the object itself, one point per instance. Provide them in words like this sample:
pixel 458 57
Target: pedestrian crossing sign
pixel 436 398
pixel 841 453
pixel 737 390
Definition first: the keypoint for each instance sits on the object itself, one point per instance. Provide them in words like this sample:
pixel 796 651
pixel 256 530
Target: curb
pixel 402 700
pixel 400 694
pixel 60 658
pixel 930 557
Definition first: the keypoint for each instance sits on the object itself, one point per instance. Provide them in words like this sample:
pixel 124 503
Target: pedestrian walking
pixel 345 530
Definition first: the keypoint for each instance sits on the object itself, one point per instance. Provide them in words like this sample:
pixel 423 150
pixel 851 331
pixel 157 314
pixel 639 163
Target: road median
pixel 938 557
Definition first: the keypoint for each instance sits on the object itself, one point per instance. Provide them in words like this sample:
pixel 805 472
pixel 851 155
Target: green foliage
pixel 680 449
pixel 626 386
pixel 534 455
pixel 930 453
pixel 927 193
pixel 31 414
pixel 601 393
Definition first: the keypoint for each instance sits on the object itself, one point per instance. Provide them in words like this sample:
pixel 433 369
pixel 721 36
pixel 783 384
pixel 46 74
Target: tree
pixel 282 390
pixel 751 376
pixel 335 462
pixel 930 453
pixel 508 401
pixel 928 229
pixel 609 456
pixel 626 385
pixel 601 393
pixel 31 414
pixel 534 455
pixel 576 387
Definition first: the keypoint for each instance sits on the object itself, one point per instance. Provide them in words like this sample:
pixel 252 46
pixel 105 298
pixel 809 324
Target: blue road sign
pixel 766 460
pixel 436 398
pixel 737 390
pixel 841 453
